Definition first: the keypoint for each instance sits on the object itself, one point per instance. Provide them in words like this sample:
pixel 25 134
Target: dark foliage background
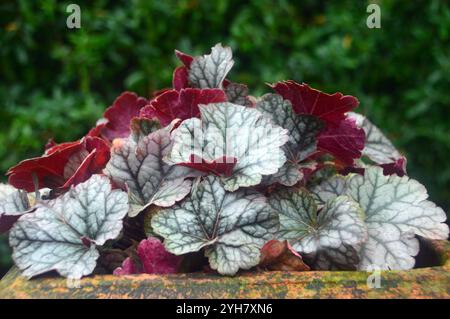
pixel 55 82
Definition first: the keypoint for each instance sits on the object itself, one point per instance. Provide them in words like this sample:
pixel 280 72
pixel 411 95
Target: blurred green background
pixel 55 81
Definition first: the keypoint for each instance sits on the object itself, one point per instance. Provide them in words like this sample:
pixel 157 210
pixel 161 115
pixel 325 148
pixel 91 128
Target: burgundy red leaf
pixel 341 137
pixel 180 78
pixel 181 74
pixel 97 130
pixel 186 59
pixel 6 222
pixel 181 104
pixel 330 108
pixel 344 141
pixel 62 165
pixel 153 258
pixel 398 167
pixel 119 115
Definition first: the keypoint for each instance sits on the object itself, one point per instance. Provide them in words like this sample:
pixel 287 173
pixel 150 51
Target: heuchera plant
pixel 205 177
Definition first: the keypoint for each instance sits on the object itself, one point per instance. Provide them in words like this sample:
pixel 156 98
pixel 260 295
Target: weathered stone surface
pixel 431 282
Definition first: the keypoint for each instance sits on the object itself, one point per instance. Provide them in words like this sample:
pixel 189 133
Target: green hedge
pixel 55 82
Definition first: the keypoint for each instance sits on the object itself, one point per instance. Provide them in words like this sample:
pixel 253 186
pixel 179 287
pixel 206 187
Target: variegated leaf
pixel 230 131
pixel 345 257
pixel 13 204
pixel 62 234
pixel 302 143
pixel 326 237
pixel 396 209
pixel 238 94
pixel 12 200
pixel 377 147
pixel 142 127
pixel 139 167
pixel 232 227
pixel 210 70
pixel 329 188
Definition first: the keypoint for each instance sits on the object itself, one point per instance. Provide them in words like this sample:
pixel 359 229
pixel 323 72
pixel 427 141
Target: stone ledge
pixel 431 282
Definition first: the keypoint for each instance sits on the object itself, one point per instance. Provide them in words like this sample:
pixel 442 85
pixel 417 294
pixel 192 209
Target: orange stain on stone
pixel 430 282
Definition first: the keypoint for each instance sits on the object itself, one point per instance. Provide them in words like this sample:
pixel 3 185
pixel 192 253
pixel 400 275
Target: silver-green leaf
pixel 377 146
pixel 303 130
pixel 232 227
pixel 329 188
pixel 210 70
pixel 13 202
pixel 62 234
pixel 238 94
pixel 396 209
pixel 137 164
pixel 232 131
pixel 327 237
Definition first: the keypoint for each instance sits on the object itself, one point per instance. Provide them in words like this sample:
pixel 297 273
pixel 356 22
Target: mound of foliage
pixel 205 177
pixel 49 79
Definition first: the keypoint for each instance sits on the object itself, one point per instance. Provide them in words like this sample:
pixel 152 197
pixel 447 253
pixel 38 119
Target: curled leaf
pixel 241 136
pixel 210 70
pixel 62 165
pixel 232 227
pixel 62 234
pixel 180 78
pixel 331 108
pixel 181 74
pixel 379 148
pixel 186 59
pixel 279 255
pixel 397 167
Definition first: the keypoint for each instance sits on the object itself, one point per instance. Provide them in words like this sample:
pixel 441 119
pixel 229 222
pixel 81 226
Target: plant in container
pixel 167 193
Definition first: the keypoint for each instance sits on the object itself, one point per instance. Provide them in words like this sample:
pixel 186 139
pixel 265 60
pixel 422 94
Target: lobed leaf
pixel 331 108
pixel 377 147
pixel 320 235
pixel 396 209
pixel 209 71
pixel 232 227
pixel 240 136
pixel 62 234
pixel 303 130
pixel 341 137
pixel 238 94
pixel 139 167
